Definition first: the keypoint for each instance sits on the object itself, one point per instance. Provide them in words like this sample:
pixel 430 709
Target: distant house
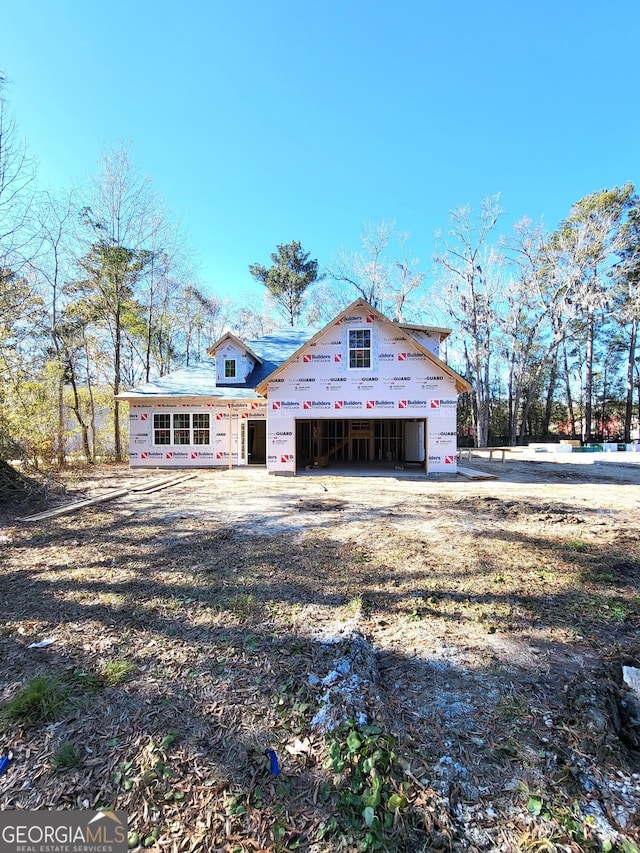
pixel 361 390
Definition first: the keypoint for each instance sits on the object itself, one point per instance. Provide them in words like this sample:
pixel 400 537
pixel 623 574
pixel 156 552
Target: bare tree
pixel 121 218
pixel 383 276
pixel 469 278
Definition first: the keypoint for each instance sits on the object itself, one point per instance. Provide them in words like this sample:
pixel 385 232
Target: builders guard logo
pixel 443 404
pixel 286 457
pixel 370 404
pixel 316 404
pixel 402 404
pixel 409 356
pixel 220 416
pixel 221 455
pixel 337 358
pixel 285 405
pixel 309 357
pixel 449 460
pixel 68 831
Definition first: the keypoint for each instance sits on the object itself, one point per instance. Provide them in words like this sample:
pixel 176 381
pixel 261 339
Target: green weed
pixel 118 670
pixel 370 789
pixel 66 757
pixel 41 700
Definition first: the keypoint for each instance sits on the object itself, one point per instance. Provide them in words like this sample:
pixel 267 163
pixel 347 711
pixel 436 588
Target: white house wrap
pixel 363 389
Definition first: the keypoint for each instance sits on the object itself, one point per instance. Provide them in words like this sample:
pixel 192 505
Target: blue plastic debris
pixel 4 763
pixel 274 767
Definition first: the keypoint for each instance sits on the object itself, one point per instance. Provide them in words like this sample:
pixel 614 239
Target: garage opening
pixel 360 442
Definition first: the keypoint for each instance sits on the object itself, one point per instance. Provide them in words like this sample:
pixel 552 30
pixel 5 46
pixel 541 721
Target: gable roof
pixel 229 336
pixel 461 383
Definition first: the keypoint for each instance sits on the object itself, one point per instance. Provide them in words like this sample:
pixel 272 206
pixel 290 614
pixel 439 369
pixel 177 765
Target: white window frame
pixel 173 423
pixel 230 361
pixel 359 348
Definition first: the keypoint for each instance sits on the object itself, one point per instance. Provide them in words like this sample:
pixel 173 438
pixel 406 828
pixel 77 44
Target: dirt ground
pixel 467 638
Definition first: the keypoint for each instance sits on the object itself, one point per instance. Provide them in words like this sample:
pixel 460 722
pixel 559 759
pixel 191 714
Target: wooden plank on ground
pixel 176 482
pixel 68 508
pixel 470 474
pixel 144 489
pixel 149 484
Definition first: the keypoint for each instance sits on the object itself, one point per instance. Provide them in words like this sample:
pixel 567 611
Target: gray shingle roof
pixel 199 380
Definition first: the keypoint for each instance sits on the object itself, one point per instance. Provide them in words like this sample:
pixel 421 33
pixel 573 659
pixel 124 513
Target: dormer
pixel 234 360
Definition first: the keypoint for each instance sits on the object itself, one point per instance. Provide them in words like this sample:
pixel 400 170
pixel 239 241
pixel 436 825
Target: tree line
pixel 98 293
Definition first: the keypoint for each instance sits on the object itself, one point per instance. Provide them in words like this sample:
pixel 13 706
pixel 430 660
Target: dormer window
pixel 230 368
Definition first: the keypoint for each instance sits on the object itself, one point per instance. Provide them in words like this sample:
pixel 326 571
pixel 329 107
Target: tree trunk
pixel 117 441
pixel 631 361
pixel 60 425
pixel 77 410
pixel 548 409
pixel 588 378
pixel 567 379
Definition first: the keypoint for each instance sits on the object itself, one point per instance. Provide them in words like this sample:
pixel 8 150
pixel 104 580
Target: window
pixel 181 428
pixel 229 368
pixel 161 429
pixel 201 434
pixel 360 348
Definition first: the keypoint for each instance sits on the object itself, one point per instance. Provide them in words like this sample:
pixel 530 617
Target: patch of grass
pixel 511 706
pixel 41 700
pixel 118 670
pixel 577 545
pixel 243 604
pixel 86 682
pixel 67 757
pixel 354 606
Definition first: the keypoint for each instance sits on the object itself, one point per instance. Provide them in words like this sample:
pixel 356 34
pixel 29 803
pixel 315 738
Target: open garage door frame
pixel 327 442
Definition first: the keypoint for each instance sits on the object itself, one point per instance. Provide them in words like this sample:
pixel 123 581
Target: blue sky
pixel 264 122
